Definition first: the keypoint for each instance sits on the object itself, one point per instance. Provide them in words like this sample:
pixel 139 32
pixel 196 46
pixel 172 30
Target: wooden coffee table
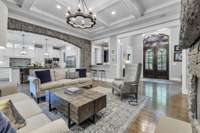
pixel 77 107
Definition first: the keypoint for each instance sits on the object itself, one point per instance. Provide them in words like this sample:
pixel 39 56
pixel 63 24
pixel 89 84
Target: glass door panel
pixel 149 59
pixel 162 59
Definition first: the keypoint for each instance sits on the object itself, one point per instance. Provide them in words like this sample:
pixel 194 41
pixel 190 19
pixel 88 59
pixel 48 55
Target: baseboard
pixel 176 79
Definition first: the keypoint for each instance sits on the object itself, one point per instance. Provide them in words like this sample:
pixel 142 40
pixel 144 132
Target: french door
pixel 156 56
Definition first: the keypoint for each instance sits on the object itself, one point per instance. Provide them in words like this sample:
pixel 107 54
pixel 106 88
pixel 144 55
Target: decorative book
pixel 72 90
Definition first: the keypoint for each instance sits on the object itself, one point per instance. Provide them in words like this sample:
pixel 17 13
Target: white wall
pixel 175 70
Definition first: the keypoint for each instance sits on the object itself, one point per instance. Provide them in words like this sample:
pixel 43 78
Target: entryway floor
pixel 166 100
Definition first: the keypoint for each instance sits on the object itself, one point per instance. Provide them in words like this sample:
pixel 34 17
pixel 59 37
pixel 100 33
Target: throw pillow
pixel 59 74
pixel 82 72
pixel 72 75
pixel 44 76
pixel 15 119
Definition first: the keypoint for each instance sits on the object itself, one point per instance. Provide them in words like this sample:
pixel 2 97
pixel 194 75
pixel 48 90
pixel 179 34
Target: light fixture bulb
pixel 73 19
pixel 67 14
pixel 23 52
pixel 82 21
pixel 1 47
pixel 46 54
pixel 58 6
pixel 113 12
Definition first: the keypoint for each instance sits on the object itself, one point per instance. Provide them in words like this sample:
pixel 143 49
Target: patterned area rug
pixel 115 118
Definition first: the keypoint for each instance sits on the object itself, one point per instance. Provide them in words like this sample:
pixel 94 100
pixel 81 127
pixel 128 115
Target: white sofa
pixel 36 121
pixel 58 77
pixel 170 125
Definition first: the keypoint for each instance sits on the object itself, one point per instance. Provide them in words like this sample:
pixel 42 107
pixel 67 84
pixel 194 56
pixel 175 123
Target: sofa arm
pixel 8 89
pixel 57 126
pixel 34 84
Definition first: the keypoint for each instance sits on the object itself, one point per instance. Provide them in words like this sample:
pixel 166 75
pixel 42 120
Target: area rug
pixel 115 118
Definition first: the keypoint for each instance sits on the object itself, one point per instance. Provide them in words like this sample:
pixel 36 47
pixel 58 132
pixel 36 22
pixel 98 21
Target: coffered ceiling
pixel 113 16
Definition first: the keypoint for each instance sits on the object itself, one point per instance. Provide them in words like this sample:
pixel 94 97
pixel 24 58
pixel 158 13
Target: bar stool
pixel 94 73
pixel 102 74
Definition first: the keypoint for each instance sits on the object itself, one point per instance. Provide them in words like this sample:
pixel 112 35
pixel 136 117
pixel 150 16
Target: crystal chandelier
pixel 82 18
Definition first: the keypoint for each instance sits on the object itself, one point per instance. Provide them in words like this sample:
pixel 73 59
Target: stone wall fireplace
pixel 194 86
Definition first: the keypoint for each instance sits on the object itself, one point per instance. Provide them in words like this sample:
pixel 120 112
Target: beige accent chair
pixel 36 121
pixel 58 77
pixel 170 125
pixel 130 84
pixel 8 89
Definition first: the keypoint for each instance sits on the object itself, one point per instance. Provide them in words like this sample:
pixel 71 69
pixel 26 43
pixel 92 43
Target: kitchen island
pixel 18 75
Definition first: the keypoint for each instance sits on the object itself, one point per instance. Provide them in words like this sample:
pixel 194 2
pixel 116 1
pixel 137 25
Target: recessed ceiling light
pixel 113 12
pixel 58 6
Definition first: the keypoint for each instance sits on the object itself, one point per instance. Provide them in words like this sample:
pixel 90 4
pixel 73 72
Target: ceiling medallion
pixel 82 18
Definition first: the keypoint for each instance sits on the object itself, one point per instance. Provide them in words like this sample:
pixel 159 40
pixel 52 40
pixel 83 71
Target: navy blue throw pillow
pixel 44 76
pixel 82 72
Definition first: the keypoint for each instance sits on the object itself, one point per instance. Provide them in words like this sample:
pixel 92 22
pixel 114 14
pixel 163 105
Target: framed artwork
pixel 177 48
pixel 178 56
pixel 70 61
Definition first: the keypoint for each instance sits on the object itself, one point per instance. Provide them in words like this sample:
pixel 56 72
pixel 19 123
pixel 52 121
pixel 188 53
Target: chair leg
pixel 121 96
pixel 112 90
pixel 38 100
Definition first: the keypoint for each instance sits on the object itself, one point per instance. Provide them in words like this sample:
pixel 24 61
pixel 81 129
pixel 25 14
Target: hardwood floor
pixel 166 100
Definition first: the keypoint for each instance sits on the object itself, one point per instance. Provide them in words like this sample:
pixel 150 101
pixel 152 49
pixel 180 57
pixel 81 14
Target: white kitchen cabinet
pixel 4 73
pixel 14 75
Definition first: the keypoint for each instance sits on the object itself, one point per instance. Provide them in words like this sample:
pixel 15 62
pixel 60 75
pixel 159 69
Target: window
pixel 149 59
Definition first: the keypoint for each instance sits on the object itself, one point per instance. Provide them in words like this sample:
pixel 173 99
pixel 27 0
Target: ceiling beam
pixel 102 21
pixel 101 7
pixel 135 7
pixel 27 4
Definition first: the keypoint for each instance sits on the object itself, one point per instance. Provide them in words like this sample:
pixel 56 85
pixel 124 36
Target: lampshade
pixel 3 24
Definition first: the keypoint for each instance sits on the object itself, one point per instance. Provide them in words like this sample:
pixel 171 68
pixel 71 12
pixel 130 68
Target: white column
pixel 184 72
pixel 3 24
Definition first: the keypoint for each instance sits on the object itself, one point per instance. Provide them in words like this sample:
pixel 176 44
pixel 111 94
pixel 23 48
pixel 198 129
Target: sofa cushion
pixel 27 108
pixel 83 80
pixel 59 74
pixel 57 126
pixel 6 106
pixel 72 75
pixel 170 125
pixel 16 97
pixel 51 85
pixel 34 123
pixel 44 76
pixel 69 82
pixel 8 89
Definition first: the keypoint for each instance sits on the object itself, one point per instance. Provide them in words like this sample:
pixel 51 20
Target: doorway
pixel 156 56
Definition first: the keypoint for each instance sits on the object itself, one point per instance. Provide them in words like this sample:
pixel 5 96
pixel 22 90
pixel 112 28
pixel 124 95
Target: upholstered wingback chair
pixel 130 83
